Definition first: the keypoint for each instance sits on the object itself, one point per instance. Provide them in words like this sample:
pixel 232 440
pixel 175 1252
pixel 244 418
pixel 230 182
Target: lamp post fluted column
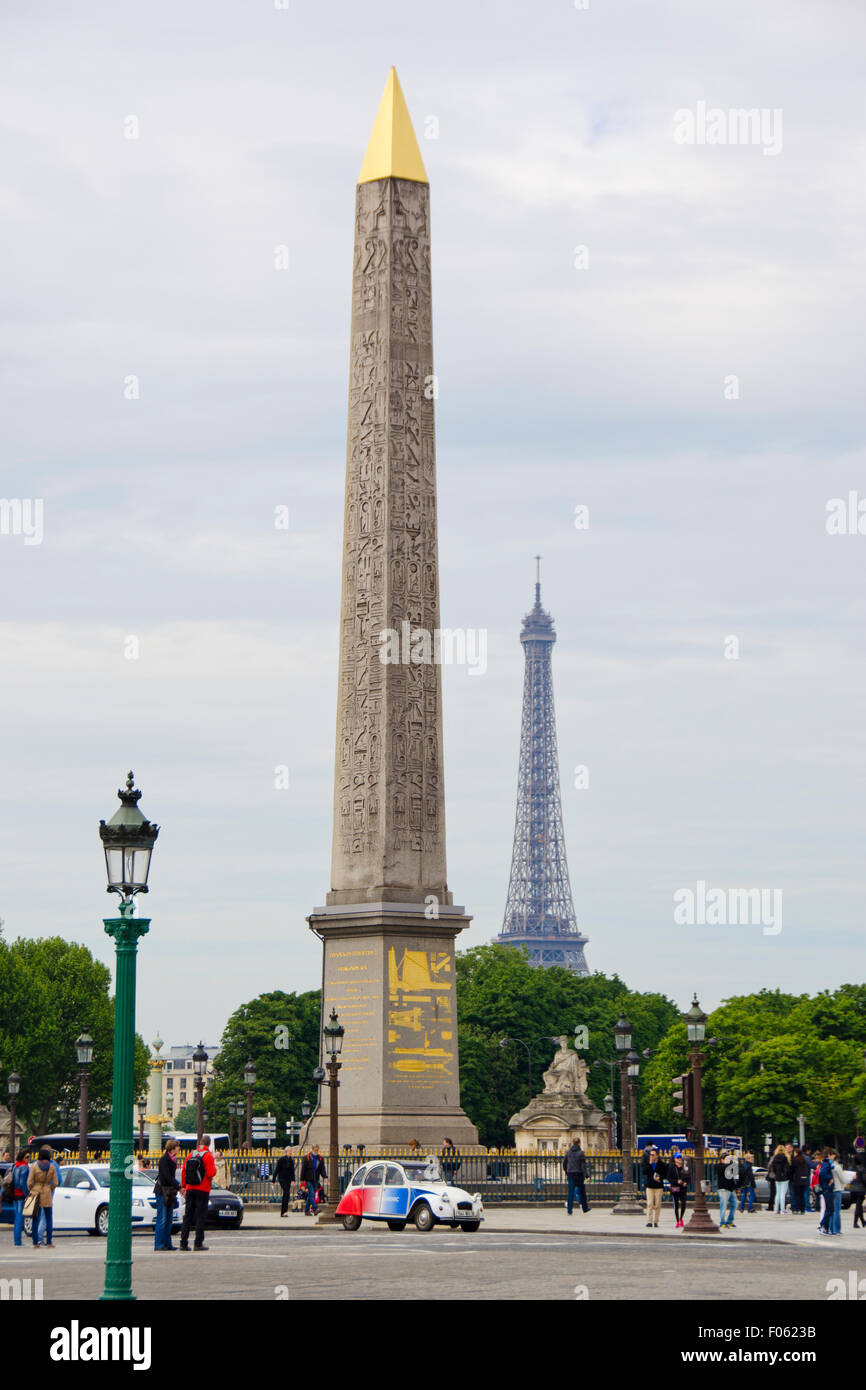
pixel 333 1032
pixel 128 840
pixel 700 1221
pixel 628 1204
pixel 125 931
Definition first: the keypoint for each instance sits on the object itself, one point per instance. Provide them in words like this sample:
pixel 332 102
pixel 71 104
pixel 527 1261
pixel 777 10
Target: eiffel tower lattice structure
pixel 540 913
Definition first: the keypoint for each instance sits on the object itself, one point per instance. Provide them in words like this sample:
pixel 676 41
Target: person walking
pixel 166 1190
pixel 20 1174
pixel 312 1172
pixel 196 1178
pixel 747 1178
pixel 574 1166
pixel 654 1172
pixel 827 1180
pixel 857 1188
pixel 729 1181
pixel 42 1180
pixel 800 1175
pixel 284 1174
pixel 780 1171
pixel 450 1161
pixel 678 1180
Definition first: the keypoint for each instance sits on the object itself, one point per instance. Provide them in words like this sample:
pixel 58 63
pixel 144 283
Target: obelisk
pixel 389 924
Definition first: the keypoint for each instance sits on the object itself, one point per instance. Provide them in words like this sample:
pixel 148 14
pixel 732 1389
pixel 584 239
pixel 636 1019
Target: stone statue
pixel 567 1072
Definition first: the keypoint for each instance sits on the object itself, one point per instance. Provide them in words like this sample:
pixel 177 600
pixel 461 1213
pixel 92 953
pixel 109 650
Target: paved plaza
pixel 535 1254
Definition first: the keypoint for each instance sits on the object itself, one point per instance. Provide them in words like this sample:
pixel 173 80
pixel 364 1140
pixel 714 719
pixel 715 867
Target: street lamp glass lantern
pixel 622 1034
pixel 232 1109
pixel 250 1073
pixel 305 1109
pixel 333 1031
pixel 199 1060
pixel 696 1022
pixel 128 840
pixel 608 1104
pixel 84 1049
pixel 142 1106
pixel 633 1062
pixel 13 1082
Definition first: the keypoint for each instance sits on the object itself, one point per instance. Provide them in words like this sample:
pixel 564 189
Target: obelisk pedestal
pixel 388 927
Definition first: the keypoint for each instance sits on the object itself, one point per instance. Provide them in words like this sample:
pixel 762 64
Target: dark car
pixel 224 1209
pixel 7 1210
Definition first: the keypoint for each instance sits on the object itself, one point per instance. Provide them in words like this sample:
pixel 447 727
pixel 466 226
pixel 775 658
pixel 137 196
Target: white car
pixel 408 1191
pixel 81 1200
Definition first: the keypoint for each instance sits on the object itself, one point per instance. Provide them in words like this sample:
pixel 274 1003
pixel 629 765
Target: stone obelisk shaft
pixel 389 814
pixel 389 925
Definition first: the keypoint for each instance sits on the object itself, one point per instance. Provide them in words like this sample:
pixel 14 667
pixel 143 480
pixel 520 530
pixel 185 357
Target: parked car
pixel 401 1192
pixel 224 1208
pixel 81 1200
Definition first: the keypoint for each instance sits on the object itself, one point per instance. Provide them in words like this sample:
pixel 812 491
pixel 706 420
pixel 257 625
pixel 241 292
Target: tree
pixel 281 1033
pixel 186 1120
pixel 500 994
pixel 51 989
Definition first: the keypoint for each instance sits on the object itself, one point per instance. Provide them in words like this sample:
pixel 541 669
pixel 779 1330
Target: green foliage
pixel 281 1033
pixel 777 1056
pixel 186 1119
pixel 51 989
pixel 499 993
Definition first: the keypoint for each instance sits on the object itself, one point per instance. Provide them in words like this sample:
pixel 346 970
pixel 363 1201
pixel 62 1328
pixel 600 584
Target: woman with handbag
pixel 40 1186
pixel 167 1188
pixel 678 1179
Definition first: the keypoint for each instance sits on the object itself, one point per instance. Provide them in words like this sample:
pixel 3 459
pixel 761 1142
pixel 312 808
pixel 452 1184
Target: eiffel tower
pixel 539 913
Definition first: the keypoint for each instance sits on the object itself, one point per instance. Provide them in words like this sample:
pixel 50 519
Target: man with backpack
pixel 196 1178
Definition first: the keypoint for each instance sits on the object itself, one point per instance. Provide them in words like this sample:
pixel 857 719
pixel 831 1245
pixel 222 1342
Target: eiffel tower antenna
pixel 539 913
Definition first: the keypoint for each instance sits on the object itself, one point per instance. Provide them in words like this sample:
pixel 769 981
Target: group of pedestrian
pixel 196 1177
pixel 32 1190
pixel 311 1183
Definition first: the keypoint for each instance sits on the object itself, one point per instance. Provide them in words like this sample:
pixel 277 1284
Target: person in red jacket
pixel 198 1174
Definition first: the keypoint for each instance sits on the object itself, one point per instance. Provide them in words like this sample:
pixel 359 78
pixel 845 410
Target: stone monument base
pixel 389 973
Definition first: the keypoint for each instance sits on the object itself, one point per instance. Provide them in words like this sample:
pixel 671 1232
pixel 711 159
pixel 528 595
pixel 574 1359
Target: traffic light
pixel 683 1095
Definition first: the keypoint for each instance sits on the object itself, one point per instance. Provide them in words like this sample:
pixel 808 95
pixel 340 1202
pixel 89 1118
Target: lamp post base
pixel 700 1223
pixel 627 1206
pixel 328 1216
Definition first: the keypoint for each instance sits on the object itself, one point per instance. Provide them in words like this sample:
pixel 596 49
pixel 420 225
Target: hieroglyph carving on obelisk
pixel 389 832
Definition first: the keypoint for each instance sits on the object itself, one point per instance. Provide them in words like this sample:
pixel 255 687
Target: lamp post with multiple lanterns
pixel 333 1032
pixel 128 840
pixel 13 1084
pixel 622 1036
pixel 249 1082
pixel 199 1067
pixel 84 1052
pixel 700 1221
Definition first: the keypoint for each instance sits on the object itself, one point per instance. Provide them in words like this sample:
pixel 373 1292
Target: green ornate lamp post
pixel 128 840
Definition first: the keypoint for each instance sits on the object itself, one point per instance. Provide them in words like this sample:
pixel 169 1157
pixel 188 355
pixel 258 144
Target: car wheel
pixel 470 1226
pixel 102 1221
pixel 351 1223
pixel 423 1217
pixel 396 1225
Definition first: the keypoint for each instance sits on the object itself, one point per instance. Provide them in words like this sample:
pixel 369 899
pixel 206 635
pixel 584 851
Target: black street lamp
pixel 199 1067
pixel 13 1084
pixel 333 1033
pixel 232 1113
pixel 141 1107
pixel 249 1082
pixel 611 1119
pixel 84 1052
pixel 305 1108
pixel 127 840
pixel 622 1037
pixel 700 1221
pixel 633 1063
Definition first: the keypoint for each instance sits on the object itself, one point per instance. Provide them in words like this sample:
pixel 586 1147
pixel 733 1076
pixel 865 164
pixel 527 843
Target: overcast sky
pixel 602 385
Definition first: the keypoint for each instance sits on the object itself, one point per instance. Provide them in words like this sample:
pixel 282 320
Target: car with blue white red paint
pixel 384 1190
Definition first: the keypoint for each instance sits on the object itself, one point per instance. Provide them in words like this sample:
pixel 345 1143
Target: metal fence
pixel 501 1176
